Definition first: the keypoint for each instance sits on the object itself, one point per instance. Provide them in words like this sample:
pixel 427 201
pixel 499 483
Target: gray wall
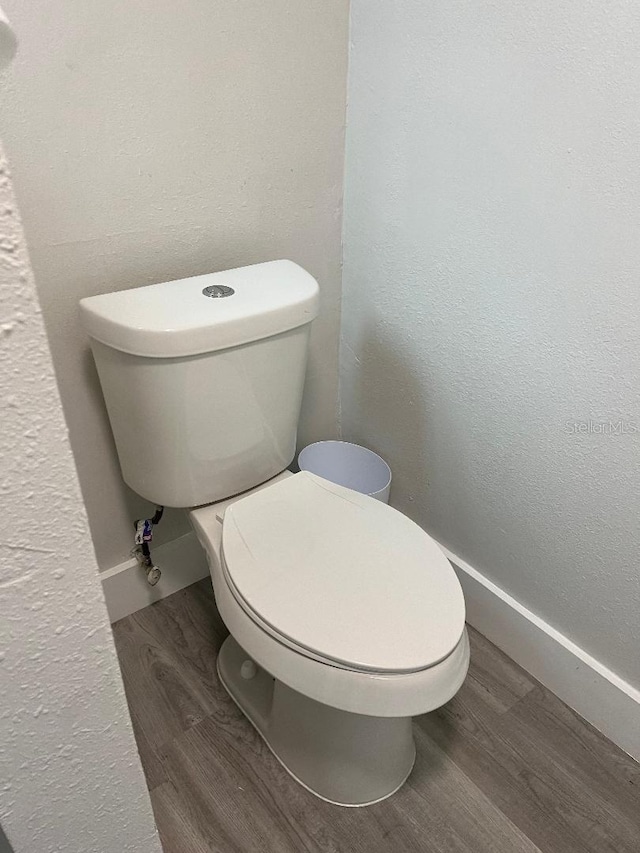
pixel 5 847
pixel 491 295
pixel 153 141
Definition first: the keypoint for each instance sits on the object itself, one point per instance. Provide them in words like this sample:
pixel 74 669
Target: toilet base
pixel 344 758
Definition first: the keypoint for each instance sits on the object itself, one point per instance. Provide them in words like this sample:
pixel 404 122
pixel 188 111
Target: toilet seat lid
pixel 342 576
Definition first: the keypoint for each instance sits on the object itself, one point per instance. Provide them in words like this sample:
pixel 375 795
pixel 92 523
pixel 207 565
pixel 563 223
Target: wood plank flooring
pixel 505 767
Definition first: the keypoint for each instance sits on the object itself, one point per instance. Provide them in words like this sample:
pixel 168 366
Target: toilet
pixel 345 618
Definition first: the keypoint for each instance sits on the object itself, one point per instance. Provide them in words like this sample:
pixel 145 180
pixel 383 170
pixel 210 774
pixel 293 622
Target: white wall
pixel 70 776
pixel 152 140
pixel 491 292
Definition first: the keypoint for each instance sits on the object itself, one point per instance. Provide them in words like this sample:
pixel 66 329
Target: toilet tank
pixel 203 378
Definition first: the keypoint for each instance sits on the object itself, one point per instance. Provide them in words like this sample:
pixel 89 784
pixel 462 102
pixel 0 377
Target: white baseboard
pixel 599 695
pixel 182 562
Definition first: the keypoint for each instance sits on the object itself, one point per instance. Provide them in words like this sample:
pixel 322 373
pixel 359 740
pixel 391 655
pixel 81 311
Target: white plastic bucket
pixel 348 465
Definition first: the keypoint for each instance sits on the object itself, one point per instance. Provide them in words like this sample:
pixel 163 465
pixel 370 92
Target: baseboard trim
pixel 599 695
pixel 182 562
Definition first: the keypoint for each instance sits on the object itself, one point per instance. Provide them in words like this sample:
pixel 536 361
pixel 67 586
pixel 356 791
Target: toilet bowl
pixel 310 579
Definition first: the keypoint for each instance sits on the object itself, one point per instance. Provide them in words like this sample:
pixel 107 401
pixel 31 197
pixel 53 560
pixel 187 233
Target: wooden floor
pixel 504 767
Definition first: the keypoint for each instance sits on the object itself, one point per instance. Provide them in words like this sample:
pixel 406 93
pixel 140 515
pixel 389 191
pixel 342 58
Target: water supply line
pixel 142 551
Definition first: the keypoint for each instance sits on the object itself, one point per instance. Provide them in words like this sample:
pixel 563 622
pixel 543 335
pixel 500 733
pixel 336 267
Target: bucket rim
pixel 361 447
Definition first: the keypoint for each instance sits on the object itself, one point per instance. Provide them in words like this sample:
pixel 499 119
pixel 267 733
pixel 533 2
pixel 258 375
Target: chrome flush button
pixel 217 291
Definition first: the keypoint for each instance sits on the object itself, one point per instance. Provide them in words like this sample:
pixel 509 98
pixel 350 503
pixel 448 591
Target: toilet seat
pixel 341 578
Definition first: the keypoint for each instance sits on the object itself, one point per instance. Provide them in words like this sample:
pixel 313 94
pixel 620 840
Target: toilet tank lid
pixel 176 318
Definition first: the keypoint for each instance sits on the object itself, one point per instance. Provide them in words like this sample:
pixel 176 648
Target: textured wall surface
pixel 151 142
pixel 70 776
pixel 491 294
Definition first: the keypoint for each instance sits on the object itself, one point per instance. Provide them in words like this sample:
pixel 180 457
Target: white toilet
pixel 346 619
